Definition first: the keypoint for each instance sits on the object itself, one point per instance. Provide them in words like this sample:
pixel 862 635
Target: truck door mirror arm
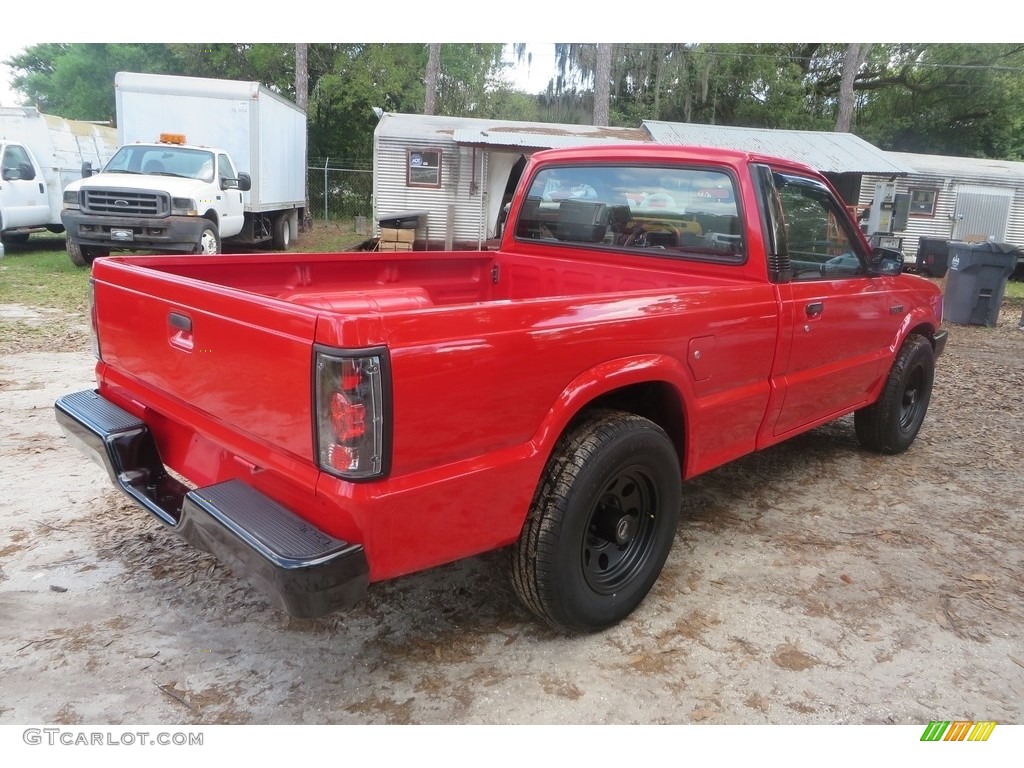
pixel 885 261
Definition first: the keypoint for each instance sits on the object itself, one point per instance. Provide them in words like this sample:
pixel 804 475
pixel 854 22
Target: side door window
pixel 16 165
pixel 816 232
pixel 225 169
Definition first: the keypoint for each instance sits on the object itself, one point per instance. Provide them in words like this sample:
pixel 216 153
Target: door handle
pixel 180 331
pixel 815 308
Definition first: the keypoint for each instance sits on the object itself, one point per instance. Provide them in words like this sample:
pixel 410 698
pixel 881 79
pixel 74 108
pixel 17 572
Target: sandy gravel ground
pixel 810 583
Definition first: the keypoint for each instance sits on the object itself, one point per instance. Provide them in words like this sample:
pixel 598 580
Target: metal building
pixel 957 198
pixel 455 174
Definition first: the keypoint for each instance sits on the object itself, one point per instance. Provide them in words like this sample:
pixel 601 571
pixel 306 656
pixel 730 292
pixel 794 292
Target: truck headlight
pixel 183 206
pixel 71 199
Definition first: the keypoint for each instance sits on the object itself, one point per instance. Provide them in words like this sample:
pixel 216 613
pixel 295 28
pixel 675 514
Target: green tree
pixel 76 80
pixel 954 99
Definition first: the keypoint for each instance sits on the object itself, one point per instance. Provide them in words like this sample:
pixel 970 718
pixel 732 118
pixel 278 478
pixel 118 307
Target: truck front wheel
pixel 601 523
pixel 209 240
pixel 891 423
pixel 81 255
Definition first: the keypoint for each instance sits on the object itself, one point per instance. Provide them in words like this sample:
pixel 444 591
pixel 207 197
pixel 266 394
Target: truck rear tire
pixel 601 523
pixel 209 240
pixel 892 422
pixel 282 232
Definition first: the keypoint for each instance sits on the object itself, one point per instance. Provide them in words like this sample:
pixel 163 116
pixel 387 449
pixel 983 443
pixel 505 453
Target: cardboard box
pixel 390 235
pixel 392 246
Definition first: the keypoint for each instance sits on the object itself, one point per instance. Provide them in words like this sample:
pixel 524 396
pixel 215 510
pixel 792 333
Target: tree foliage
pixel 950 98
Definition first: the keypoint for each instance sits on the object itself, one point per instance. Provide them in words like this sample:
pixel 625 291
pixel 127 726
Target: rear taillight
pixel 350 414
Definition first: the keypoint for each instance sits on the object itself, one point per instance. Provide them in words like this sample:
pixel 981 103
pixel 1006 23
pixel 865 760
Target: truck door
pixel 839 320
pixel 23 196
pixel 232 216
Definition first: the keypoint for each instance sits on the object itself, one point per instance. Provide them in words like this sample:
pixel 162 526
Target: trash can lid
pixel 990 246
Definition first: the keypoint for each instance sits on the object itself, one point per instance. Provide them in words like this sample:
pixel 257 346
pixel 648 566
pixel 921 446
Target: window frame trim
pixel 935 201
pixel 408 167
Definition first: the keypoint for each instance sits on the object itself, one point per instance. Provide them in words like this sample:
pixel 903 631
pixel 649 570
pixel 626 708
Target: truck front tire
pixel 81 255
pixel 601 523
pixel 891 423
pixel 209 240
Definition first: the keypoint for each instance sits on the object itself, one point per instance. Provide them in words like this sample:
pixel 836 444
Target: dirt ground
pixel 810 583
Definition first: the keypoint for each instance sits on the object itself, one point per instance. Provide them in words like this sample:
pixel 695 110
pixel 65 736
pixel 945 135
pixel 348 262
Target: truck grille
pixel 126 202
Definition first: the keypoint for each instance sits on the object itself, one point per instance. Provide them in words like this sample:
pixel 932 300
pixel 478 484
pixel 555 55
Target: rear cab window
pixel 668 211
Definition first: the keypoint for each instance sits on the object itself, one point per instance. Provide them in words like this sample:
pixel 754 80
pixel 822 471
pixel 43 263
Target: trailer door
pixel 982 212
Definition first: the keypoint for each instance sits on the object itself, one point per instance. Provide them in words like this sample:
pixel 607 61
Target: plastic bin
pixel 932 256
pixel 977 280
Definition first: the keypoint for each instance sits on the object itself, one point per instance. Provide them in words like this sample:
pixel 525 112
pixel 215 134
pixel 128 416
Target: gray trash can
pixel 976 281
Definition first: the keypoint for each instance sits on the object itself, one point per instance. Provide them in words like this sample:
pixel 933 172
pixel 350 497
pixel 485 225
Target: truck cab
pixel 24 193
pixel 166 195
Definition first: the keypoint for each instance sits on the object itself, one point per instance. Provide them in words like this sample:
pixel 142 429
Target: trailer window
pixel 423 168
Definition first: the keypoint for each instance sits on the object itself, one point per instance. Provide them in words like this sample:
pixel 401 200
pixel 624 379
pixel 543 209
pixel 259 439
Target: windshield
pixel 162 160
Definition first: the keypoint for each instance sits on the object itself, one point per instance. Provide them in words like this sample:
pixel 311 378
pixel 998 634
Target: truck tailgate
pixel 240 362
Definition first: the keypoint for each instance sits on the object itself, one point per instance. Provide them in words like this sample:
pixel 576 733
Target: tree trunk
pixel 302 101
pixel 430 84
pixel 856 53
pixel 602 83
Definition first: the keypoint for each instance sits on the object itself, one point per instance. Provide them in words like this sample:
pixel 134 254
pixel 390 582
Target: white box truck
pixel 202 162
pixel 39 156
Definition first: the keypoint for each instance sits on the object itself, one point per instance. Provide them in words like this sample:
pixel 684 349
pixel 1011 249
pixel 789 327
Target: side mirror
pixel 243 183
pixel 87 169
pixel 11 174
pixel 886 261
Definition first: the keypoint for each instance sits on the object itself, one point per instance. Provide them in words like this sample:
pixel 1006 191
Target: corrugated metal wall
pixel 941 224
pixel 391 195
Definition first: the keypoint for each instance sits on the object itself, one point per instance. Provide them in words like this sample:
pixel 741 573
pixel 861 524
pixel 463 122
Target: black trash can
pixel 977 280
pixel 932 256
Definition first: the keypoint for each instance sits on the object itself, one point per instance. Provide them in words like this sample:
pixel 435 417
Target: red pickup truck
pixel 323 421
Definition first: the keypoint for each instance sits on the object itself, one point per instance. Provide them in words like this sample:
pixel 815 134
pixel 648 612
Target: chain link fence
pixel 340 189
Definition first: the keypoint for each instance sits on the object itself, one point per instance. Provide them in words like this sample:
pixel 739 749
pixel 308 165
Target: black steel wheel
pixel 601 524
pixel 891 424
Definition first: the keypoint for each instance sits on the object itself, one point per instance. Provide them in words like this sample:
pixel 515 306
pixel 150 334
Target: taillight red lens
pixel 348 419
pixel 351 375
pixel 350 413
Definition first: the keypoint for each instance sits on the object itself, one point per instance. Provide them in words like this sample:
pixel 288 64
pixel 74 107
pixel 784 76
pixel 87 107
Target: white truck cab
pixel 163 196
pixel 24 194
pixel 39 155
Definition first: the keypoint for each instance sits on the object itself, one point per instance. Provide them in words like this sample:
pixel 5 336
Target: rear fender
pixel 607 378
